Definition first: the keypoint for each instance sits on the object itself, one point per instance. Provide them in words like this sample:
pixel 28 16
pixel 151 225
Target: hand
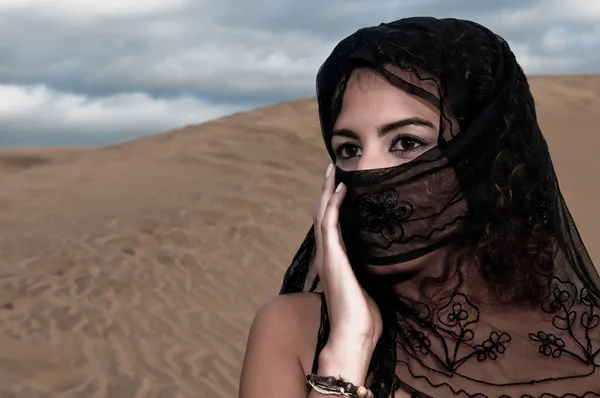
pixel 354 317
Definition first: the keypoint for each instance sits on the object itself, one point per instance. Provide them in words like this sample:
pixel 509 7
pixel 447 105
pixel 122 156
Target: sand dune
pixel 23 158
pixel 135 270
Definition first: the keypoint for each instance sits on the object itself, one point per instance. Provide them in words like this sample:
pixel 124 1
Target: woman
pixel 448 263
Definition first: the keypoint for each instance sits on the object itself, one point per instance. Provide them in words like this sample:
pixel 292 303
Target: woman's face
pixel 380 125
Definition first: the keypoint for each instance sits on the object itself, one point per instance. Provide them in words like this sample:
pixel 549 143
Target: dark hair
pixel 516 248
pixel 510 240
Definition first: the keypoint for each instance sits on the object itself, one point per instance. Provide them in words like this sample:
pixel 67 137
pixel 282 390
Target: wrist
pixel 349 361
pixel 346 345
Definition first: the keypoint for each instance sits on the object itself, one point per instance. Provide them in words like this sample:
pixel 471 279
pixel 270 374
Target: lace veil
pixel 514 310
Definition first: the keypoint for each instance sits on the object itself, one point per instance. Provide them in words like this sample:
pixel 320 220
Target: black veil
pixel 515 309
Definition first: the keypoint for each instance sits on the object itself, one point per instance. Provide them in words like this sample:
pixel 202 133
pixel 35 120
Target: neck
pixel 434 277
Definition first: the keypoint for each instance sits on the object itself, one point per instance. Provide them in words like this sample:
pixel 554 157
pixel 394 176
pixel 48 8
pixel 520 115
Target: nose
pixel 376 159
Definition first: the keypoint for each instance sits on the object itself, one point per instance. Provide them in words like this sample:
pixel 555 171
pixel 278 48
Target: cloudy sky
pixel 87 72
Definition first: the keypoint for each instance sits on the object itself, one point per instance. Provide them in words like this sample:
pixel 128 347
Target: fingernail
pixel 339 187
pixel 329 169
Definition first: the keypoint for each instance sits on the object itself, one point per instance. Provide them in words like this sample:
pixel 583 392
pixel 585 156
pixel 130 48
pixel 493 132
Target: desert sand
pixel 135 270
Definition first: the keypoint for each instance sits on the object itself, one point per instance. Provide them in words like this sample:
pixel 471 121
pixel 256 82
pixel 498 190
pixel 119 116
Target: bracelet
pixel 329 385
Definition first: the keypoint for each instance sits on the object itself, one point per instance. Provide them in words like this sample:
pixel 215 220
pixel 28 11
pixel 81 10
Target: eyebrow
pixel 387 127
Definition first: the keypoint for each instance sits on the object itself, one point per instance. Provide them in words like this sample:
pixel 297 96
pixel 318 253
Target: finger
pixel 340 276
pixel 331 238
pixel 326 192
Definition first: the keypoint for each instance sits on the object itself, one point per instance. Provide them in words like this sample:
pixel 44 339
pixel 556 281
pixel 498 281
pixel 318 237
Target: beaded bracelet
pixel 329 385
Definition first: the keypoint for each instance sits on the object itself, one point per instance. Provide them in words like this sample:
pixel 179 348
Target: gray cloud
pixel 148 66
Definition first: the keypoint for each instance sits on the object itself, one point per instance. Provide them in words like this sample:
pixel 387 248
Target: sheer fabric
pixel 514 310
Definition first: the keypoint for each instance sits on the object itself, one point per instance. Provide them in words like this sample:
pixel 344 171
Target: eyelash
pixel 395 141
pixel 408 137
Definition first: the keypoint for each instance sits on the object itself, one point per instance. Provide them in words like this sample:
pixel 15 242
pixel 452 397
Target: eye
pixel 406 143
pixel 347 151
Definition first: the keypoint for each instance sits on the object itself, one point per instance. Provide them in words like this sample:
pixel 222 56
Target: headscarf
pixel 514 311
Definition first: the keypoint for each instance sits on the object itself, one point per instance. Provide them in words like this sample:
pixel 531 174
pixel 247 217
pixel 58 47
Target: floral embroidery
pixel 561 302
pixel 492 346
pixel 550 345
pixel 458 315
pixel 421 342
pixel 385 213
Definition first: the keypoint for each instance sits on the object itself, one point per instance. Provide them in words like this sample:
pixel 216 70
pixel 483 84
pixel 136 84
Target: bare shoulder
pixel 296 316
pixel 290 310
pixel 281 345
